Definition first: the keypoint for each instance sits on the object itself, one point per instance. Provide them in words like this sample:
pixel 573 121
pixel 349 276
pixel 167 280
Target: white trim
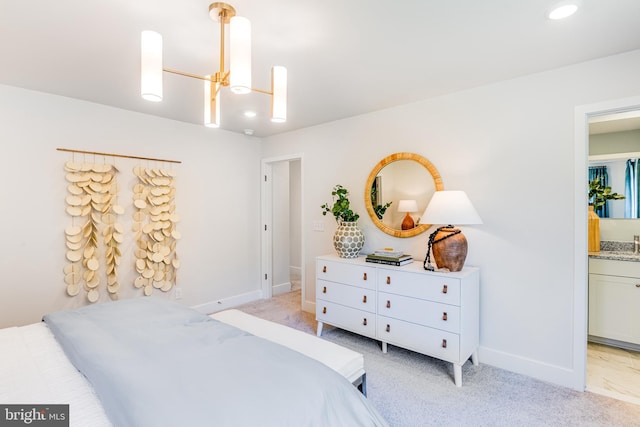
pixel 522 365
pixel 583 113
pixel 225 303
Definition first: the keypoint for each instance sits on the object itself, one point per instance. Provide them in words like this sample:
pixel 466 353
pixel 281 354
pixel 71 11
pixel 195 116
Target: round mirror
pixel 397 192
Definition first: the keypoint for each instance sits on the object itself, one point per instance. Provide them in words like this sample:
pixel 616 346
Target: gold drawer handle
pixel 444 343
pixel 388 280
pixel 444 316
pixel 324 290
pixel 364 322
pixel 388 328
pixel 637 285
pixel 444 289
pixel 364 276
pixel 324 310
pixel 324 269
pixel 364 299
pixel 388 304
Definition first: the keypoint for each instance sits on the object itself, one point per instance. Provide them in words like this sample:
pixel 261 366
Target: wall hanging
pixel 94 233
pixel 94 236
pixel 155 230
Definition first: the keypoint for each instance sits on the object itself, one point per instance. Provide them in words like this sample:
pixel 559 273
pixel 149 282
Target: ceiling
pixel 344 58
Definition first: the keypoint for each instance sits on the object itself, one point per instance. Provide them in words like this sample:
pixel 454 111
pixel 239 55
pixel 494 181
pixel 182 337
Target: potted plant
pixel 598 196
pixel 348 239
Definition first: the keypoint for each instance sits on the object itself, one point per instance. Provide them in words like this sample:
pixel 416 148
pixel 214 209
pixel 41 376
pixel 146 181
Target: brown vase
pixel 594 231
pixel 449 252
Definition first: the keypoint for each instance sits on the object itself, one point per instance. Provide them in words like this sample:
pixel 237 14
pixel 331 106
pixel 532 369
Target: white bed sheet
pixel 35 370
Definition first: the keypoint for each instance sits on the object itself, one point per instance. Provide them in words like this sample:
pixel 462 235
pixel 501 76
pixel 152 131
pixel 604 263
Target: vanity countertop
pixel 616 255
pixel 617 251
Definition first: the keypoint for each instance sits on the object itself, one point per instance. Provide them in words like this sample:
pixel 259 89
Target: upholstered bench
pixel 348 363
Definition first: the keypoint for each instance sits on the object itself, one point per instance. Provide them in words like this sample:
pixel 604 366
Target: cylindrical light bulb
pixel 151 66
pixel 240 55
pixel 211 104
pixel 279 96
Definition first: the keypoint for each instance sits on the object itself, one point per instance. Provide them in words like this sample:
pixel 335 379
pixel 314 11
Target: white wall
pixel 510 146
pixel 219 250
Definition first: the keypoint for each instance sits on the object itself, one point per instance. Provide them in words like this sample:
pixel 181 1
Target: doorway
pixel 282 242
pixel 606 367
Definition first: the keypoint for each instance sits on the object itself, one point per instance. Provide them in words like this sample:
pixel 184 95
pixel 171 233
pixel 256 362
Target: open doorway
pixel 613 340
pixel 282 242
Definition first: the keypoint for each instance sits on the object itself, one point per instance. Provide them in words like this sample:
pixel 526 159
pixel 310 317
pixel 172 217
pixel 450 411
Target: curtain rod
pixel 117 155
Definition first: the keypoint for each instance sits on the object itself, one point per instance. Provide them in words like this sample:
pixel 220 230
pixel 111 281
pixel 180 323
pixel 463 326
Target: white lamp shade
pixel 240 55
pixel 407 206
pixel 450 207
pixel 211 104
pixel 279 96
pixel 151 66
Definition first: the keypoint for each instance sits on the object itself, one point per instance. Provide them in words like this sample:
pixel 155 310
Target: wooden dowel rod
pixel 117 155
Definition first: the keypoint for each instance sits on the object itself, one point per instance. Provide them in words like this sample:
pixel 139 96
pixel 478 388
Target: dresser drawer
pixel 426 313
pixel 429 287
pixel 350 274
pixel 358 321
pixel 433 342
pixel 351 296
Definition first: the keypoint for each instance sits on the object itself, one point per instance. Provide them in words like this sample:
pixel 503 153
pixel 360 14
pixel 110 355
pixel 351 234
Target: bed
pixel 152 362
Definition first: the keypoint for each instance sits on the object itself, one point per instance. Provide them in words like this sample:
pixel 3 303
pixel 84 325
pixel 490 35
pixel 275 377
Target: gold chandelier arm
pixel 182 73
pixel 223 80
pixel 266 92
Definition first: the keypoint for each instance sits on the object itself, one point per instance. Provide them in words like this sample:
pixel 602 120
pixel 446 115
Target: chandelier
pixel 237 78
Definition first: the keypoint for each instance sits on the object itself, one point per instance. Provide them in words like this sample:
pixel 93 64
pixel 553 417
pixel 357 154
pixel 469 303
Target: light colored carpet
pixel 413 390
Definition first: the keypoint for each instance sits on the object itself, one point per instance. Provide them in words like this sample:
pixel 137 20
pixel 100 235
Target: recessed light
pixel 562 11
pixel 250 114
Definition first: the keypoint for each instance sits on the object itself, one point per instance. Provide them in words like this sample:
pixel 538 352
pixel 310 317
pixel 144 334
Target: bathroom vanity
pixel 614 299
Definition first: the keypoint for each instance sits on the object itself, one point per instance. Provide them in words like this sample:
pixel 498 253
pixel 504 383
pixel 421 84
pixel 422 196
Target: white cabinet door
pixel 614 307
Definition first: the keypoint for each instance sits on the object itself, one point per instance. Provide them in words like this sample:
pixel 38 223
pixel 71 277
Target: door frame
pixel 582 115
pixel 266 226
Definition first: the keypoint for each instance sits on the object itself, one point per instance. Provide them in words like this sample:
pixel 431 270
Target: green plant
pixel 599 194
pixel 340 209
pixel 378 209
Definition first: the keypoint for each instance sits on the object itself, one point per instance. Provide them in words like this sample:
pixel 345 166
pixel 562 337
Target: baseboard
pixel 281 288
pixel 554 374
pixel 225 303
pixel 295 272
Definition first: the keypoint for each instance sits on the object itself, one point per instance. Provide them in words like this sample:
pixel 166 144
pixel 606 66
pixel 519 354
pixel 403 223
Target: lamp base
pixel 407 222
pixel 449 249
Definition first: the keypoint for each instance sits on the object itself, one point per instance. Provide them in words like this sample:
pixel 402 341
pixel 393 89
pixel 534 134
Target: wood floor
pixel 613 372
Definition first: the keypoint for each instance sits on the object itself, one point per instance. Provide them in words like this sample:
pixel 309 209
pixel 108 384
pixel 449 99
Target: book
pixel 389 262
pixel 389 258
pixel 389 252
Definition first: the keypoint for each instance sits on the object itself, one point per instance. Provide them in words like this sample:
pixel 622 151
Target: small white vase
pixel 348 239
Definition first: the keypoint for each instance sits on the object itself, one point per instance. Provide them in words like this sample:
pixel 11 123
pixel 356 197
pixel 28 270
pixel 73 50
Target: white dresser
pixel 432 313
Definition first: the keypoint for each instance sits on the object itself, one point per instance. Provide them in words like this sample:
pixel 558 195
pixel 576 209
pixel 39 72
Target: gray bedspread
pixel 154 362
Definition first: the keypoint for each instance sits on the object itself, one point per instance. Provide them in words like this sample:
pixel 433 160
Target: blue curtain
pixel 631 189
pixel 600 172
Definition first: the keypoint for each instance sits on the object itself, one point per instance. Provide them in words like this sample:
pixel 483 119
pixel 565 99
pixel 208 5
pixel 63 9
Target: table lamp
pixel 408 206
pixel 448 243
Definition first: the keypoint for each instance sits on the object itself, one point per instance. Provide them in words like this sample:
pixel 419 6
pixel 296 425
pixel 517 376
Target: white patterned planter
pixel 348 239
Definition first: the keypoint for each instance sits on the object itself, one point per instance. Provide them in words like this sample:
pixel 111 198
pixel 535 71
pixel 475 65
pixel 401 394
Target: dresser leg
pixel 474 358
pixel 457 374
pixel 319 331
pixel 384 347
